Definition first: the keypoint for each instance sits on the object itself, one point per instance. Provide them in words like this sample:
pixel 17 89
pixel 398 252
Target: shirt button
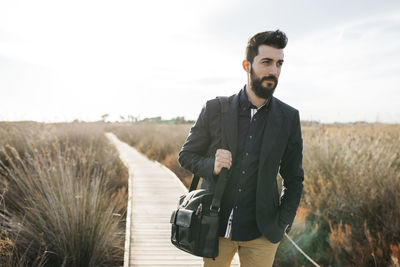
pixel 247 154
pixel 254 118
pixel 251 136
pixel 236 207
pixel 240 190
pixel 243 172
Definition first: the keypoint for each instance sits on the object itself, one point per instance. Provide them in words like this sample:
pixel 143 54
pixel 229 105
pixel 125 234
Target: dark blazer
pixel 281 152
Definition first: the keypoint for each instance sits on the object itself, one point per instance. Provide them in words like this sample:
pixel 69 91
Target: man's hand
pixel 223 158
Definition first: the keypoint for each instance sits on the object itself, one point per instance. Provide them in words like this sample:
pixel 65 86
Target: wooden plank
pixel 155 191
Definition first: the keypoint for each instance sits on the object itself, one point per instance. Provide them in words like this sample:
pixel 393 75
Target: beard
pixel 260 90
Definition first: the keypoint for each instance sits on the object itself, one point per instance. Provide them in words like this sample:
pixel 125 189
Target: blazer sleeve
pixel 292 173
pixel 192 155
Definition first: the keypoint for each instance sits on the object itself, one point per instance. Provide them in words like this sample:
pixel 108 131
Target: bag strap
pixel 223 175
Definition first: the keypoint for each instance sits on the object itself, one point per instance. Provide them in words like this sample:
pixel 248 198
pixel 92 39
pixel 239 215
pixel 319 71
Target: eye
pixel 280 63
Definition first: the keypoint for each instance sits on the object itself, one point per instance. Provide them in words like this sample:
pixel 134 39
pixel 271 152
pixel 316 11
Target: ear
pixel 246 65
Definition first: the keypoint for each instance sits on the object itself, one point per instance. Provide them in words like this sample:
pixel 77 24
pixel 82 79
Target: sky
pixel 67 60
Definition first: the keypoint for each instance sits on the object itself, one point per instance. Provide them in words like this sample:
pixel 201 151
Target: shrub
pixel 64 204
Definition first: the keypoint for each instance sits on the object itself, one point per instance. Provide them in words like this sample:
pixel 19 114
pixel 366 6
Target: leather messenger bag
pixel 195 222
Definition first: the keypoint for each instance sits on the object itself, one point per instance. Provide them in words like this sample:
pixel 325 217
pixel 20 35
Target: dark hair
pixel 275 39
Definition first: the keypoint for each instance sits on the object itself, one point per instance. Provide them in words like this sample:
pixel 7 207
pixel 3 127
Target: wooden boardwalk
pixel 153 194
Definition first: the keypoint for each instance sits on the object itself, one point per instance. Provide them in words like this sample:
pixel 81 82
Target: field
pixel 63 192
pixel 349 213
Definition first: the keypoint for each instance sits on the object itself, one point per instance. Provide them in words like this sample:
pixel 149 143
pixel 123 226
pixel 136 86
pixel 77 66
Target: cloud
pixel 84 59
pixel 351 67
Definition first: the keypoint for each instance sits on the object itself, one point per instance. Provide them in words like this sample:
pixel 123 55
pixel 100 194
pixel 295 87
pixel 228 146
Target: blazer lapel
pixel 271 132
pixel 230 124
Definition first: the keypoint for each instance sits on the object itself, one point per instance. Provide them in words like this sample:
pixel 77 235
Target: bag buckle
pixel 213 209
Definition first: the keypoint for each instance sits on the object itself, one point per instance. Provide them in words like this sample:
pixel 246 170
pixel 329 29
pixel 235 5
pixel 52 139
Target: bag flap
pixel 184 217
pixel 173 217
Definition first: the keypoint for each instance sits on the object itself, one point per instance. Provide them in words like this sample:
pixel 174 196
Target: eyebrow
pixel 267 58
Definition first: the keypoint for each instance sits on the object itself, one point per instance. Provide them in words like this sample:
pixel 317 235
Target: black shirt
pixel 240 192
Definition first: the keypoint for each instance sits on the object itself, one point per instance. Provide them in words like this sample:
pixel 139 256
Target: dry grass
pixel 349 214
pixel 352 187
pixel 159 142
pixel 63 191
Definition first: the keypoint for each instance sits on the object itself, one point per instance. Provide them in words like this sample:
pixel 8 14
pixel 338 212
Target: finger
pixel 224 161
pixel 226 166
pixel 225 156
pixel 225 152
pixel 221 159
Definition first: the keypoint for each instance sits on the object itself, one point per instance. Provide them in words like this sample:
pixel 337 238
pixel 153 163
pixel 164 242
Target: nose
pixel 273 71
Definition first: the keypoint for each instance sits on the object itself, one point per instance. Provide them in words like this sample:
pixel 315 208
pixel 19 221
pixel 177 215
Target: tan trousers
pixel 259 252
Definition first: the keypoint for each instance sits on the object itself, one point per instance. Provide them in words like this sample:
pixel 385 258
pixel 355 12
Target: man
pixel 264 137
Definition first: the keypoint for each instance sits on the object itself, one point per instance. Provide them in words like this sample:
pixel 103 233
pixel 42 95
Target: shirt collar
pixel 245 104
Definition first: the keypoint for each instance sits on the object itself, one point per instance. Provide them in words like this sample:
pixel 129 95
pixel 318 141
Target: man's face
pixel 265 71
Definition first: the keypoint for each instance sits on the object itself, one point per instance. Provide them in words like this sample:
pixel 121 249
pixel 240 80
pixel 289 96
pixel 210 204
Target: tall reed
pixel 64 204
pixel 160 142
pixel 349 213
